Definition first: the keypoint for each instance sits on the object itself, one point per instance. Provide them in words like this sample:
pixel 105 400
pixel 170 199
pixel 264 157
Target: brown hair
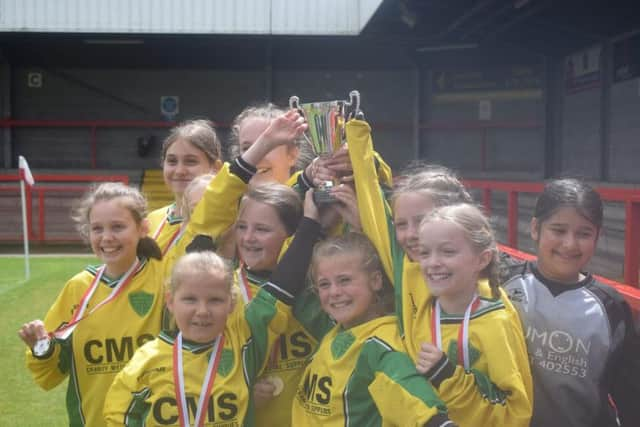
pixel 201 134
pixel 128 197
pixel 280 197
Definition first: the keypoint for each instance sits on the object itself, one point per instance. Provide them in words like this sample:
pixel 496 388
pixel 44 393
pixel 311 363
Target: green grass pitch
pixel 22 402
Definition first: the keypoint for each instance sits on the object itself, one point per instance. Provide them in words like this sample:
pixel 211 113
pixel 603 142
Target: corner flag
pixel 25 177
pixel 25 172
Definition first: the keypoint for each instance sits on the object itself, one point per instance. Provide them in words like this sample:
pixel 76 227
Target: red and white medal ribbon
pixel 463 332
pixel 66 330
pixel 174 238
pixel 207 384
pixel 243 281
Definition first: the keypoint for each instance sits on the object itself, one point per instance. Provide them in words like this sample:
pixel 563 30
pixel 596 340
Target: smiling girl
pixel 201 373
pixel 474 351
pixel 579 332
pixel 191 149
pixel 359 375
pixel 79 337
pixel 268 216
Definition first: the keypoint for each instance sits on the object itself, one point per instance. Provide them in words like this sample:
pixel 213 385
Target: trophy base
pixel 322 195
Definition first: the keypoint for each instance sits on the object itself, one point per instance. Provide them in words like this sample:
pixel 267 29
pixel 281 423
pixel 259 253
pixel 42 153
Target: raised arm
pixel 375 213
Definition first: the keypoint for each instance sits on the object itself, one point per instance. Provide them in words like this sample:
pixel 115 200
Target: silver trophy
pixel 326 132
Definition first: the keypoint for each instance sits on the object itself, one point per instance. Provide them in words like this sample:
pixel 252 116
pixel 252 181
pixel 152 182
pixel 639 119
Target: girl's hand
pixel 340 164
pixel 327 217
pixel 310 208
pixel 318 172
pixel 263 392
pixel 284 129
pixel 347 205
pixel 32 331
pixel 428 356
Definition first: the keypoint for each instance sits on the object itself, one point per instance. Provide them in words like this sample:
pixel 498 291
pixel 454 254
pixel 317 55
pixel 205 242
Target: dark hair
pixel 280 197
pixel 569 192
pixel 130 198
pixel 356 243
pixel 200 133
pixel 478 231
pixel 439 183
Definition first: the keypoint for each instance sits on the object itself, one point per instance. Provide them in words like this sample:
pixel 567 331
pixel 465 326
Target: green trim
pixel 169 337
pixel 138 410
pixel 112 282
pixel 486 306
pixel 74 400
pixel 397 264
pixel 488 389
pixel 258 314
pixel 307 311
pixel 173 219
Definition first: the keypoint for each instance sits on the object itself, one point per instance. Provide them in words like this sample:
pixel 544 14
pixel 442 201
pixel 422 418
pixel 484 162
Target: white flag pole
pixel 25 232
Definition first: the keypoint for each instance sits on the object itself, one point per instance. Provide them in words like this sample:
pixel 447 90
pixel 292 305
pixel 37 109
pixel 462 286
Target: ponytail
pixel 148 248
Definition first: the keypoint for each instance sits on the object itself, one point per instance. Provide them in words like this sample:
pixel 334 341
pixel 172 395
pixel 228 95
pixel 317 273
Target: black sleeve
pixel 625 387
pixel 290 274
pixel 242 169
pixel 622 373
pixel 440 420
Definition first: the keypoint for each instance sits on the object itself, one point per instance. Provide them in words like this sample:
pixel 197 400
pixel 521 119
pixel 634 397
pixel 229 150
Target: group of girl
pixel 405 321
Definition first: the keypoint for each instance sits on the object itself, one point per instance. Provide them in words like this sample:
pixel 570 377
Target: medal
pixel 174 238
pixel 245 290
pixel 42 347
pixel 463 332
pixel 207 383
pixel 66 330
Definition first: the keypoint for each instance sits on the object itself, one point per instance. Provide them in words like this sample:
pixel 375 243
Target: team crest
pixel 226 362
pixel 452 353
pixel 141 302
pixel 341 344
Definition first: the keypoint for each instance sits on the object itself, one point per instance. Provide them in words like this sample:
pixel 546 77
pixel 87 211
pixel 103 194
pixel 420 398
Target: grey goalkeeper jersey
pixel 582 348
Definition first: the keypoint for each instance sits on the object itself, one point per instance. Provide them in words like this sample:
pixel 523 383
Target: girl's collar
pixel 555 287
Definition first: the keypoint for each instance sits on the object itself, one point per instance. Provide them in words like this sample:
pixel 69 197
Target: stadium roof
pixel 258 17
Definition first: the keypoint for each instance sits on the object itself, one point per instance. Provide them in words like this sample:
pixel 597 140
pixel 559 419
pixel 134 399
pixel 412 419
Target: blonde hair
pixel 478 232
pixel 199 181
pixel 201 134
pixel 205 262
pixel 130 198
pixel 438 183
pixel 268 112
pixel 358 244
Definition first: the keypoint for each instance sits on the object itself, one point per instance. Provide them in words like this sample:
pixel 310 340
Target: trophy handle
pixel 354 102
pixel 294 102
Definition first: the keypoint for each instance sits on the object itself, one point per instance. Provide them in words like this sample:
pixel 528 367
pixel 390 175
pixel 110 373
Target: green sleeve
pixel 266 318
pixel 401 394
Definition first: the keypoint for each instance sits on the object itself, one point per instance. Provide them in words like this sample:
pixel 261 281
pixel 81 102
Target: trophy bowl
pixel 326 132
